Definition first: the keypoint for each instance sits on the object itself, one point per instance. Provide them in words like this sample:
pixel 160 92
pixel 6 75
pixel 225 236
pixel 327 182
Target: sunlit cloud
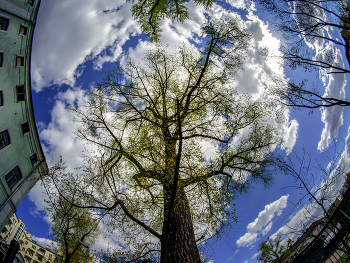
pixel 264 219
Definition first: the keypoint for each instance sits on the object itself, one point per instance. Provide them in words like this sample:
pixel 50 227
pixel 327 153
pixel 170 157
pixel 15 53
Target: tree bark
pixel 179 244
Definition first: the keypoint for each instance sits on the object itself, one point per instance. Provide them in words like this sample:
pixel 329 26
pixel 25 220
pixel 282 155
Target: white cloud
pixel 333 116
pixel 68 33
pixel 230 258
pixel 45 242
pixel 267 229
pixel 247 239
pixel 290 136
pixel 264 218
pixel 58 136
pixel 255 255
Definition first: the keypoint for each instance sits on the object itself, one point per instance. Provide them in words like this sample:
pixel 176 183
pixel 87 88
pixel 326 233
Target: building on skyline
pixel 30 250
pixel 21 157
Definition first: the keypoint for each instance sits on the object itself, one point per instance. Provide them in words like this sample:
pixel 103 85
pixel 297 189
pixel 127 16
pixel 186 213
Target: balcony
pixel 41 252
pixel 31 249
pixel 6 228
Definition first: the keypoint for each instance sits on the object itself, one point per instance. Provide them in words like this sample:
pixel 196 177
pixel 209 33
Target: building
pixel 21 156
pixel 30 250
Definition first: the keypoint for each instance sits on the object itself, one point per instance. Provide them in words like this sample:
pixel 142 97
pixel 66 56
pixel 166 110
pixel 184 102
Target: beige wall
pixel 34 253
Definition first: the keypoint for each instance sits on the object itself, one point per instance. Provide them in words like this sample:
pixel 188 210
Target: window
pixel 26 242
pixel 23 30
pixel 25 128
pixel 33 247
pixel 4 23
pixel 4 139
pixel 30 2
pixel 30 253
pixel 13 177
pixel 19 231
pixel 1 59
pixel 50 256
pixel 28 260
pixel 19 61
pixel 1 99
pixel 20 93
pixel 33 158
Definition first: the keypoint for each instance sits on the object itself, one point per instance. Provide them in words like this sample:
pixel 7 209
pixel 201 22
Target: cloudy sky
pixel 74 44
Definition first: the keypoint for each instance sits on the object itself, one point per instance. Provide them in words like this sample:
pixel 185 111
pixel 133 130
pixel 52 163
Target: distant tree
pixel 70 226
pixel 174 145
pixel 324 23
pixel 150 12
pixel 272 250
pixel 346 183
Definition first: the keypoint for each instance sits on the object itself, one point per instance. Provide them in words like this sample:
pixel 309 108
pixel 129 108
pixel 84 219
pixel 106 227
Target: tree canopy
pixel 149 12
pixel 175 143
pixel 273 251
pixel 70 225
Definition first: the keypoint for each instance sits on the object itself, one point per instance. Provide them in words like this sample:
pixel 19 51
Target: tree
pixel 324 24
pixel 174 144
pixel 149 12
pixel 273 251
pixel 70 226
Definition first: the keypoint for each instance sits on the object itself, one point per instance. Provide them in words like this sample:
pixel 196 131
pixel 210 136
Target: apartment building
pixel 21 156
pixel 30 250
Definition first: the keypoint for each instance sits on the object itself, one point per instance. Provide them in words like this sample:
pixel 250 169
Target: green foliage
pixel 273 251
pixel 346 183
pixel 150 12
pixel 70 225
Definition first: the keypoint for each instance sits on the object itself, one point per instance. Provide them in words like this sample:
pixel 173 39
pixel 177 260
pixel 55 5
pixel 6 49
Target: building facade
pixel 21 156
pixel 30 250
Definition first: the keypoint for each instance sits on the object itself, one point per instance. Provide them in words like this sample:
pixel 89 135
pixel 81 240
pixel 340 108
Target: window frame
pixel 8 23
pixel 17 57
pixel 26 28
pixel 30 159
pixel 21 127
pixel 1 59
pixel 24 93
pixel 9 139
pixel 12 186
pixel 2 101
pixel 28 4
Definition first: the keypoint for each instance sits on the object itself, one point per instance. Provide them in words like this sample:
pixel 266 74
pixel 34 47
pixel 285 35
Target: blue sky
pixel 74 44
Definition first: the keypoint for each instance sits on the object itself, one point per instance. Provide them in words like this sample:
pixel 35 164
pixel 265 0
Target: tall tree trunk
pixel 179 245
